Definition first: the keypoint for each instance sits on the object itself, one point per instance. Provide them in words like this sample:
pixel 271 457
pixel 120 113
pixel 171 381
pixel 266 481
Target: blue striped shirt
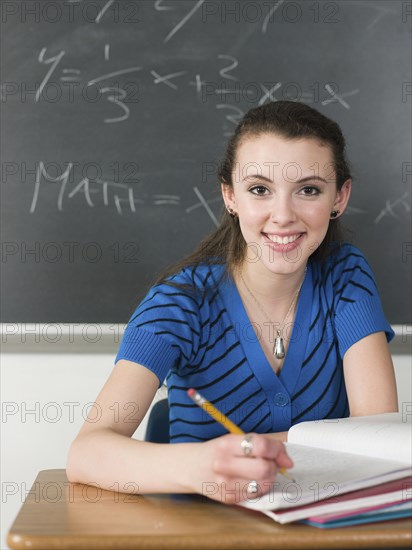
pixel 204 339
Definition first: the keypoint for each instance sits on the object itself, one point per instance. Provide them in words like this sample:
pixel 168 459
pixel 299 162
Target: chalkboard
pixel 116 113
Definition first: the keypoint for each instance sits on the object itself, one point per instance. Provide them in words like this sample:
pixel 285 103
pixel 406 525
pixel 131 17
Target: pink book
pixel 378 496
pixel 324 518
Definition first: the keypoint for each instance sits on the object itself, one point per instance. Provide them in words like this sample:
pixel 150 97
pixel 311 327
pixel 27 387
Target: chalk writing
pixel 70 78
pixel 337 97
pixel 166 79
pixel 116 97
pixel 382 11
pixel 158 5
pixel 236 115
pixel 223 72
pixel 119 96
pixel 390 206
pixel 184 20
pixel 205 204
pixel 199 83
pixel 54 61
pixel 149 90
pixel 115 94
pixel 269 15
pixel 268 95
pixel 113 74
pixel 103 10
pixel 108 192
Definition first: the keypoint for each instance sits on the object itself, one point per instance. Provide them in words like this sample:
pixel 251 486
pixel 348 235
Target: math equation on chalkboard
pixel 116 115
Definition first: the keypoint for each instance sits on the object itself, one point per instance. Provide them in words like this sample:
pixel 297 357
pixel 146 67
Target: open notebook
pixel 333 457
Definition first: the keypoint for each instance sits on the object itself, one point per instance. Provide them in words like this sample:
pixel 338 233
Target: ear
pixel 342 196
pixel 228 195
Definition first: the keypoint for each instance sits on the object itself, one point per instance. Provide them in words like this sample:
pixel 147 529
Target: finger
pixel 265 447
pixel 239 489
pixel 230 445
pixel 246 468
pixel 254 489
pixel 283 460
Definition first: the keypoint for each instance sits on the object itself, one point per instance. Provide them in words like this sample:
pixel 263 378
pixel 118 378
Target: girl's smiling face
pixel 284 191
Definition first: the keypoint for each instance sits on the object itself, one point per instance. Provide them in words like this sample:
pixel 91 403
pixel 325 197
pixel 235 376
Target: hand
pixel 224 471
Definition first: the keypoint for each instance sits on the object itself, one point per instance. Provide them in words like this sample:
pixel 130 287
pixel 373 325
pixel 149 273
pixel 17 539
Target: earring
pixel 231 212
pixel 334 213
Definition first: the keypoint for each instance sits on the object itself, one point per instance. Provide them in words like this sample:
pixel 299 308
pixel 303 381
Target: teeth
pixel 283 240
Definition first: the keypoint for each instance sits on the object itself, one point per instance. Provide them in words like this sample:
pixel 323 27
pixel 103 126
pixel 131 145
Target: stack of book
pixel 347 471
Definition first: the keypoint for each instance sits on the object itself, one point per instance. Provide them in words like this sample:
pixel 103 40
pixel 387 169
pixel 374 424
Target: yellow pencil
pixel 222 419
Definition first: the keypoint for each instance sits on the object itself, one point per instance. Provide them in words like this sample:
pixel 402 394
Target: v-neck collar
pixel 289 374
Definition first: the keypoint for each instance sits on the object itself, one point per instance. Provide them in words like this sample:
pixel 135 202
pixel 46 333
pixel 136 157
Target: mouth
pixel 283 240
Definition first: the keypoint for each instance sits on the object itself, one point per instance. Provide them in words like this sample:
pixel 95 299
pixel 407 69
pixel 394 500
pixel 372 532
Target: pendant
pixel 279 348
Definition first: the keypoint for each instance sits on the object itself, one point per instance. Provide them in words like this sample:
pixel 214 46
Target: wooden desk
pixel 58 514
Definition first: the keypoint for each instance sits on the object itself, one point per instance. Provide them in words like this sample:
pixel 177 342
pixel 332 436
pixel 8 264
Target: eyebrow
pixel 303 180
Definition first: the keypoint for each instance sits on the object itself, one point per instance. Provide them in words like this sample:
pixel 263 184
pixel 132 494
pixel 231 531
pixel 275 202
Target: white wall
pixel 58 388
pixel 47 383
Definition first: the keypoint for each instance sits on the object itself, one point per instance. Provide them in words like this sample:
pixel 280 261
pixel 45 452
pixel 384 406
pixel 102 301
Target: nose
pixel 282 209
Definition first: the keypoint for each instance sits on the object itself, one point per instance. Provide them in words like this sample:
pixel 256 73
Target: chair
pixel 157 430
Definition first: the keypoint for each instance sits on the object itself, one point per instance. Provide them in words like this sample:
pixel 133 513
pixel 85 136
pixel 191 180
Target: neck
pixel 270 288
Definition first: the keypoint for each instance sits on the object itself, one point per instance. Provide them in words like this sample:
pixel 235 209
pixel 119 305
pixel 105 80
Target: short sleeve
pixel 358 307
pixel 163 332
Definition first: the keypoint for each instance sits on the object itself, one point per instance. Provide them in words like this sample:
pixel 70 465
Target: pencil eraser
pixel 191 392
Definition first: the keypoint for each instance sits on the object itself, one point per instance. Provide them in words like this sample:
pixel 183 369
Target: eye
pixel 259 190
pixel 310 191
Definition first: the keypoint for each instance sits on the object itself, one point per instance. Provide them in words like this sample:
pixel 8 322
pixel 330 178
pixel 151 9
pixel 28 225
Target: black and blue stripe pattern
pixel 202 338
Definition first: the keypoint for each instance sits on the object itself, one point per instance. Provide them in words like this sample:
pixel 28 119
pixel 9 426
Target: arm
pixel 104 453
pixel 369 376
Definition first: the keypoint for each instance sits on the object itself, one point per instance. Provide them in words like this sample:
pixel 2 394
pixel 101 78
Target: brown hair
pixel 291 120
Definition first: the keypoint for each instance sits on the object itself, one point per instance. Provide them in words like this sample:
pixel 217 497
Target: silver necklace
pixel 278 348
